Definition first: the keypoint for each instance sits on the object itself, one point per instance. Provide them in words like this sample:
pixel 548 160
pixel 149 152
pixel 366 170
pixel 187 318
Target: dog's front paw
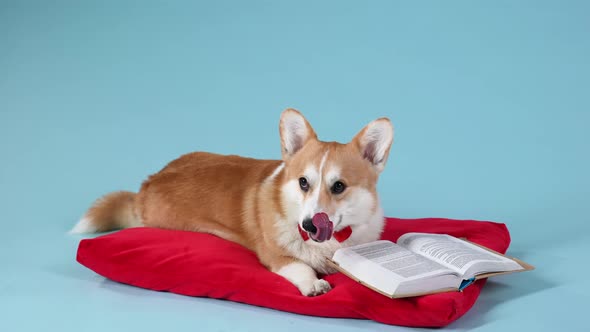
pixel 315 288
pixel 305 278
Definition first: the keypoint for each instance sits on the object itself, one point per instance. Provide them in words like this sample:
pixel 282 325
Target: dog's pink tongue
pixel 324 227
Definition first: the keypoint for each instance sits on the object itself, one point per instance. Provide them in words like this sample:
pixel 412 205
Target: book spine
pixel 466 283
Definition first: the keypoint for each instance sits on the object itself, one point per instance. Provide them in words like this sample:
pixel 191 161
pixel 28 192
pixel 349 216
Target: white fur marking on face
pixel 293 196
pixel 311 175
pixel 275 173
pixel 311 204
pixel 333 175
pixel 83 226
pixel 358 207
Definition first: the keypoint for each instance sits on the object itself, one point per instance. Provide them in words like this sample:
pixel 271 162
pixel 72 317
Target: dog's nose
pixel 308 226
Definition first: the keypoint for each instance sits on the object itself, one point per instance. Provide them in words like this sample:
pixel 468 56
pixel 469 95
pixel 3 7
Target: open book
pixel 422 263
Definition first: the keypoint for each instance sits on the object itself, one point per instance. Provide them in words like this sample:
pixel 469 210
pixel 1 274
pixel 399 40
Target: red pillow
pixel 203 265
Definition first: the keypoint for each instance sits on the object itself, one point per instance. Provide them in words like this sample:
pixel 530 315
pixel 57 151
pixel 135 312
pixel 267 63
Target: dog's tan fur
pixel 236 198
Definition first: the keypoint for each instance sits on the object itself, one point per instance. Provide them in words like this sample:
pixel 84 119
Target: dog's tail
pixel 112 211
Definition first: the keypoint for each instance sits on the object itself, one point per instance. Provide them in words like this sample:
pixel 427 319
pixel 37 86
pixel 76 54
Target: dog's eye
pixel 303 184
pixel 338 187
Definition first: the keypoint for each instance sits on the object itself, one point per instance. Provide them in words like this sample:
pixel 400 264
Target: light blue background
pixel 490 101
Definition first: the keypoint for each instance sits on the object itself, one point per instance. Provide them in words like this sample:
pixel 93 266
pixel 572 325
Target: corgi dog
pixel 293 213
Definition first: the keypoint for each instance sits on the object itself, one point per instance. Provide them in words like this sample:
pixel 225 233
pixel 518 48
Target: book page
pixel 461 256
pixel 393 258
pixel 394 270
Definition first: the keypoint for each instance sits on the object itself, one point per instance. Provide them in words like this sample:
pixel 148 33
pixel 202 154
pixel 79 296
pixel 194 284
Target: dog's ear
pixel 374 142
pixel 295 132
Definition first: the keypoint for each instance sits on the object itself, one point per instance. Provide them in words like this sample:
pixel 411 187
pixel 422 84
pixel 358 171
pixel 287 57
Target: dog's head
pixel 332 178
